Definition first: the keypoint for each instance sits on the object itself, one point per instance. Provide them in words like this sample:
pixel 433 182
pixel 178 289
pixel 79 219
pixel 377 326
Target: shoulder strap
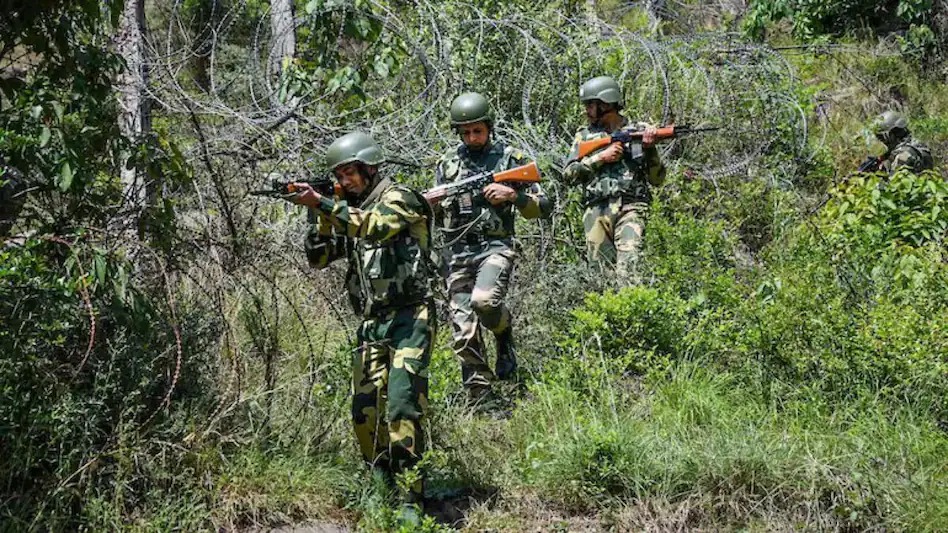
pixel 376 193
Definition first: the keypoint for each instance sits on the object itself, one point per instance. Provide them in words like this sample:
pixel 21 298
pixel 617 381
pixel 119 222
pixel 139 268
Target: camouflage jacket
pixel 470 220
pixel 628 179
pixel 909 154
pixel 387 240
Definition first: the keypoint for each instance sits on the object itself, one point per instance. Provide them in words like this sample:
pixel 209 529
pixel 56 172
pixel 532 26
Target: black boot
pixel 486 402
pixel 506 366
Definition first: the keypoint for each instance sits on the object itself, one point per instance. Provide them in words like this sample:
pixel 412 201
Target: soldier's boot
pixel 486 402
pixel 506 366
pixel 410 512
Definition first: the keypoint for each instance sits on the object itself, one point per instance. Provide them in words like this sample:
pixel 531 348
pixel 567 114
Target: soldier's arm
pixel 396 211
pixel 531 201
pixel 322 244
pixel 580 170
pixel 905 158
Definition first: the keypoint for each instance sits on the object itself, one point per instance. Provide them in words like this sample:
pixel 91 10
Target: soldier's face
pixel 350 179
pixel 474 136
pixel 594 111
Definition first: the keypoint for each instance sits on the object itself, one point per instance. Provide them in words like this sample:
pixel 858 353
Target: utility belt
pixel 635 192
pixel 384 312
pixel 477 242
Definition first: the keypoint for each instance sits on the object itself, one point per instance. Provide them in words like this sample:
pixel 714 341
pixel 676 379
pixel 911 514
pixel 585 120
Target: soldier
pixel 615 180
pixel 479 234
pixel 902 151
pixel 12 197
pixel 385 231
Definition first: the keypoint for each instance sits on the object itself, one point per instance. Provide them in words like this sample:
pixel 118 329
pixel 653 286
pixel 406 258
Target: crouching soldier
pixel 902 150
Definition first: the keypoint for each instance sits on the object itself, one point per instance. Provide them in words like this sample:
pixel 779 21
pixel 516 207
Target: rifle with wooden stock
pixel 626 136
pixel 516 177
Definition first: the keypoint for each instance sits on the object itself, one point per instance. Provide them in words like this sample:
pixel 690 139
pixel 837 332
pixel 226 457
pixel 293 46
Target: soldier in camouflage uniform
pixel 384 229
pixel 479 235
pixel 616 180
pixel 902 151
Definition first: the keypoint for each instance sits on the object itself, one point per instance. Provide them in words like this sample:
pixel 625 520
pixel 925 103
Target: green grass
pixel 702 438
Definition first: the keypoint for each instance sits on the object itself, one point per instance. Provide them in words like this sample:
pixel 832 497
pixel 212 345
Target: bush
pixel 85 361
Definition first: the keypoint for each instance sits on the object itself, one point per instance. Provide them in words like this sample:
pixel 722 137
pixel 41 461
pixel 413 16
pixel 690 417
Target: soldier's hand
pixel 305 194
pixel 611 154
pixel 498 194
pixel 435 198
pixel 648 137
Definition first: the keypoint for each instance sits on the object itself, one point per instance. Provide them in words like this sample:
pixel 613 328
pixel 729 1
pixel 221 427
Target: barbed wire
pixel 393 72
pixel 397 78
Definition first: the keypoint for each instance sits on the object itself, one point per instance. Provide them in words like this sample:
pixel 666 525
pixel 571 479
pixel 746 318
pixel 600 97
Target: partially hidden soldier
pixel 12 197
pixel 384 229
pixel 478 228
pixel 616 180
pixel 902 150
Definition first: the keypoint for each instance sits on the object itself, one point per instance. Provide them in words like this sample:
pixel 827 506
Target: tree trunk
pixel 283 28
pixel 284 34
pixel 135 111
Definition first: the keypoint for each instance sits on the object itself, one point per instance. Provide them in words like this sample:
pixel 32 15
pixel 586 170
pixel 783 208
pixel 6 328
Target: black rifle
pixel 872 163
pixel 284 189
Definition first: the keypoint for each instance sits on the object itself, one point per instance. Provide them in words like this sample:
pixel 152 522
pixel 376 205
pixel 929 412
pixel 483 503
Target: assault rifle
pixel 516 177
pixel 872 163
pixel 625 136
pixel 284 189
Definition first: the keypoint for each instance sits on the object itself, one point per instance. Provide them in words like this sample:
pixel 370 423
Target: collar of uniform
pixel 601 129
pixel 381 185
pixel 492 148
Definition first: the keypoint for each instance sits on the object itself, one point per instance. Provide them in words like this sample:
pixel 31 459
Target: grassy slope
pixel 747 401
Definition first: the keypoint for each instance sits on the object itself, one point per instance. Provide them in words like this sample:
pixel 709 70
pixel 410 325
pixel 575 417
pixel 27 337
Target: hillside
pixel 169 360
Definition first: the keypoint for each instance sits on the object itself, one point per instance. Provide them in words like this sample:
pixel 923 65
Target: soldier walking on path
pixel 384 229
pixel 479 234
pixel 616 180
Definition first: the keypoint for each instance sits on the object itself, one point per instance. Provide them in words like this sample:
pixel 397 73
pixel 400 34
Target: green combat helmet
pixel 352 147
pixel 469 108
pixel 601 88
pixel 890 127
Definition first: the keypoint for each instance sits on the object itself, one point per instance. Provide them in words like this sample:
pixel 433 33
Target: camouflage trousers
pixel 614 235
pixel 477 290
pixel 390 375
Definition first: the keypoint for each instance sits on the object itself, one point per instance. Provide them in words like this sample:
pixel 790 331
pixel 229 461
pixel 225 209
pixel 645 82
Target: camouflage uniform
pixel 904 152
pixel 616 196
pixel 911 155
pixel 387 241
pixel 480 241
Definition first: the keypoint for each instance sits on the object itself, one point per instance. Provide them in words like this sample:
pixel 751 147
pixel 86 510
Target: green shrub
pixel 635 329
pixel 704 438
pixel 875 213
pixel 70 400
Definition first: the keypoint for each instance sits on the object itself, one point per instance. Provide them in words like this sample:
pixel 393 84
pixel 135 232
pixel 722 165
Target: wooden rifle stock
pixel 528 173
pixel 525 174
pixel 626 136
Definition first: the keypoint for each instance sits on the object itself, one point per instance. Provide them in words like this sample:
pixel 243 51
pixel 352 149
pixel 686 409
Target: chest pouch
pixel 465 204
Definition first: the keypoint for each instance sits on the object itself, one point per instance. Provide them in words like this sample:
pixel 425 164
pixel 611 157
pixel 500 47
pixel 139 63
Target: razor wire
pixel 392 70
pixel 529 67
